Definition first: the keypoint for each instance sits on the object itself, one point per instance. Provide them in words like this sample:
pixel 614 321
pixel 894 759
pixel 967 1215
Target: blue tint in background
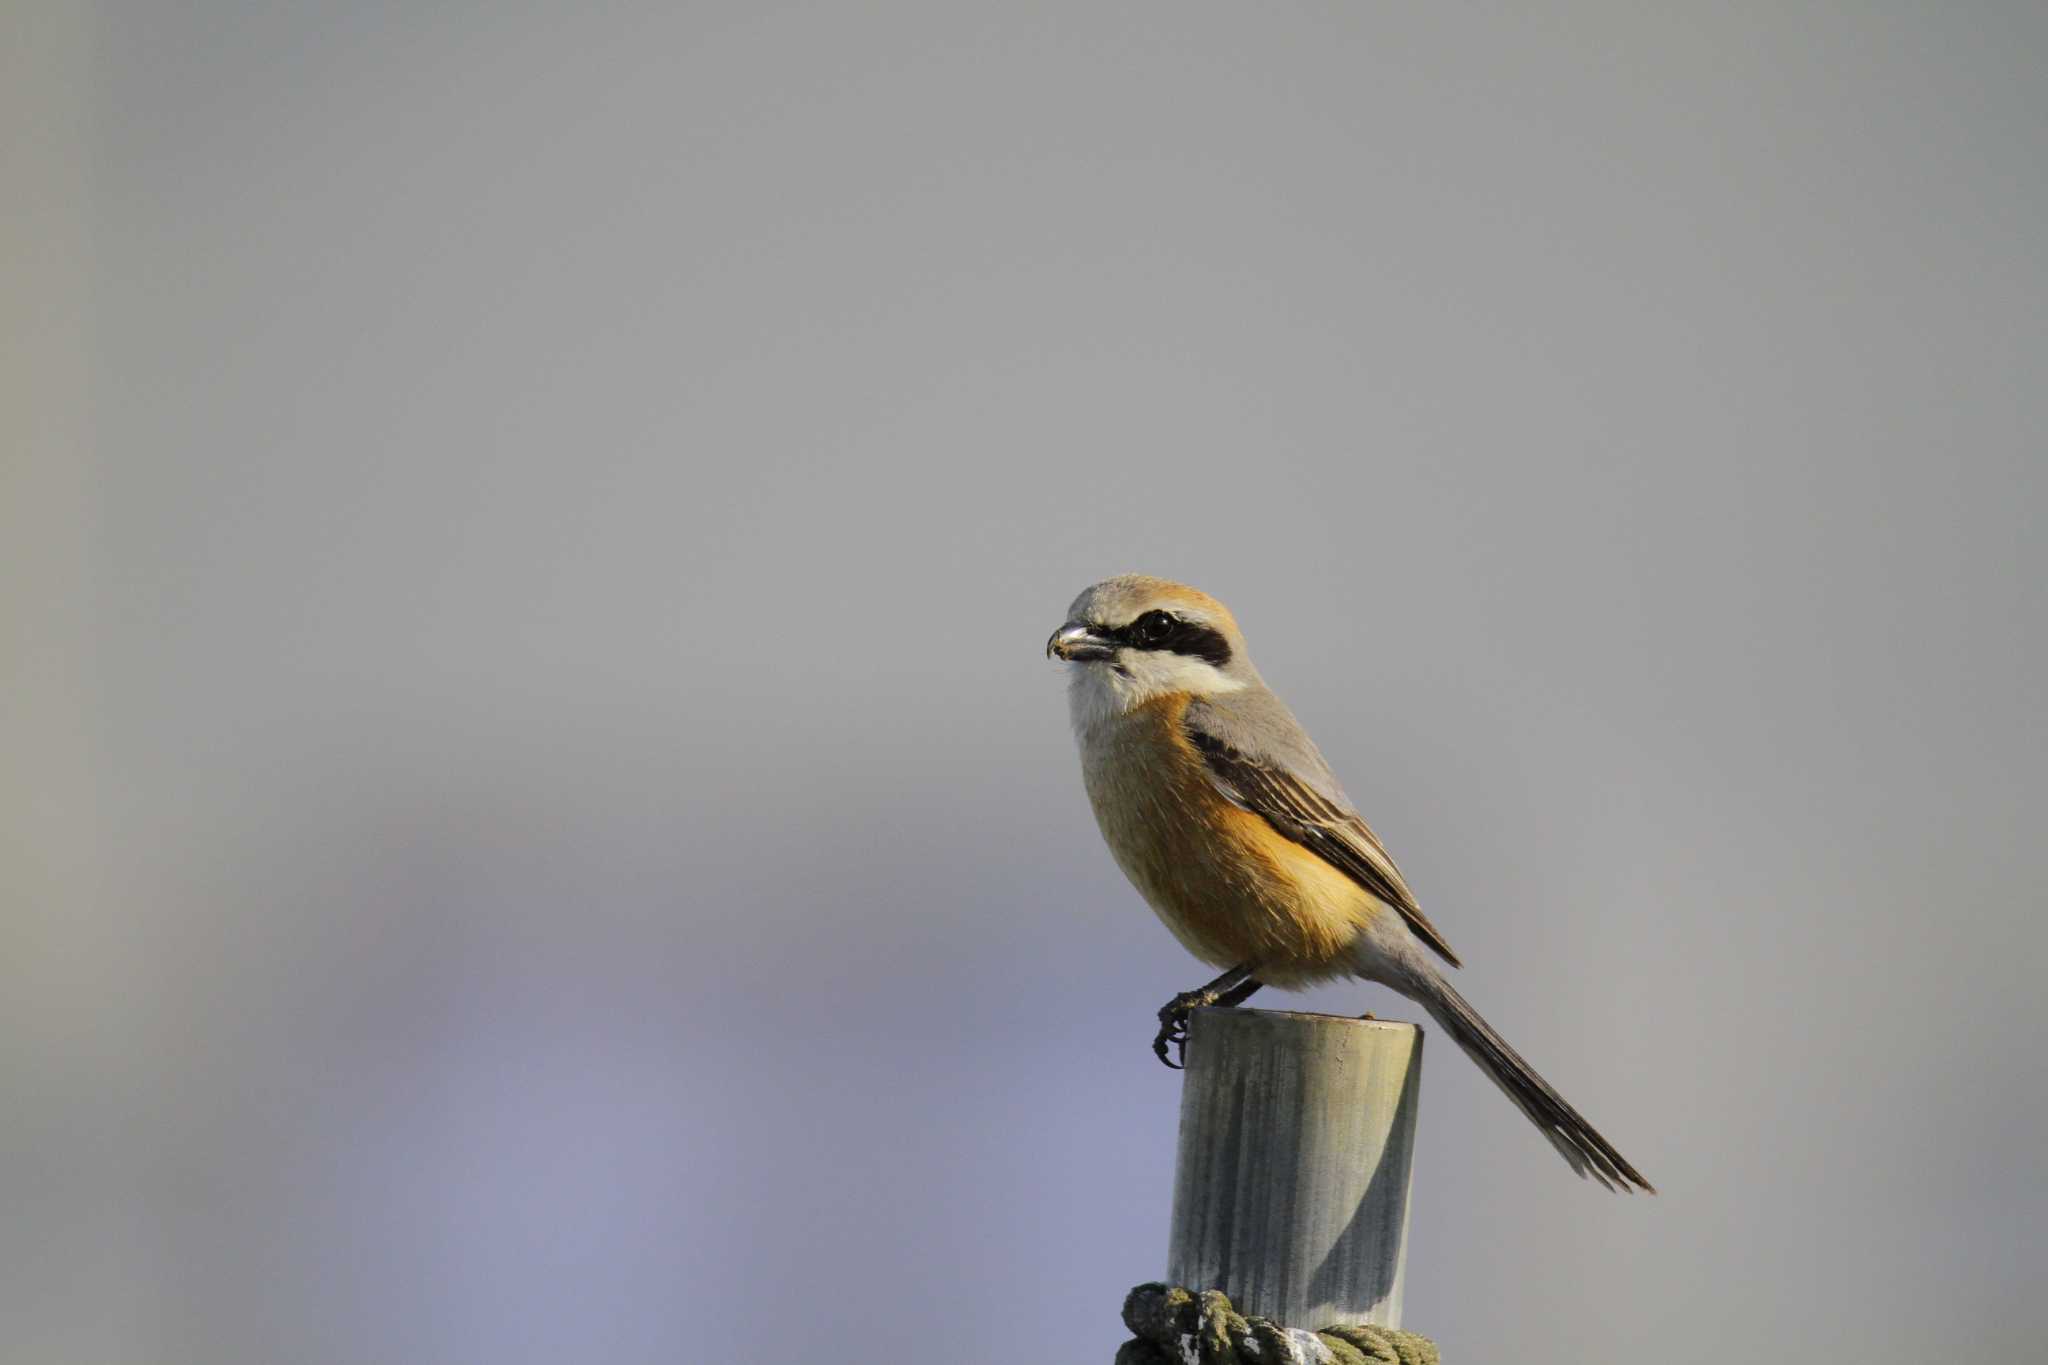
pixel 537 826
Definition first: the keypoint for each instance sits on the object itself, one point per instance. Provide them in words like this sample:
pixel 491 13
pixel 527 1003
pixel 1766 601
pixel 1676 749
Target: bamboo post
pixel 1290 1193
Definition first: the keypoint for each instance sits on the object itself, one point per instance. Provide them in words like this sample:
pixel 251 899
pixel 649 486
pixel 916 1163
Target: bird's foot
pixel 1173 1024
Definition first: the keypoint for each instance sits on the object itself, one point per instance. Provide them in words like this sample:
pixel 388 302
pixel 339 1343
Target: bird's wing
pixel 1320 822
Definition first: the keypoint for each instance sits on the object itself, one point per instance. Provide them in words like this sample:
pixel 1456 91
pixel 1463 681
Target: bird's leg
pixel 1237 994
pixel 1234 987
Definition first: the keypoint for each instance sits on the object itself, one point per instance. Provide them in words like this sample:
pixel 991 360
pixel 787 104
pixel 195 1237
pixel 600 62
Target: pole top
pixel 1305 1017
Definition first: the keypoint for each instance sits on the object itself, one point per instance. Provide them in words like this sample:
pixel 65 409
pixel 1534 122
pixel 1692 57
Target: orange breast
pixel 1230 889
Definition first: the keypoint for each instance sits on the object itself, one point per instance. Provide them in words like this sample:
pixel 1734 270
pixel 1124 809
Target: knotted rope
pixel 1171 1326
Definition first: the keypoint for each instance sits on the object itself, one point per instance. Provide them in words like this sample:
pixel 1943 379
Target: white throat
pixel 1102 691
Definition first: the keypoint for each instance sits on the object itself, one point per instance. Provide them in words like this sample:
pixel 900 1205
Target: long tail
pixel 1575 1139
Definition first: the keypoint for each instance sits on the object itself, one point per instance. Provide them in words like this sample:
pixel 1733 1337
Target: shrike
pixel 1217 806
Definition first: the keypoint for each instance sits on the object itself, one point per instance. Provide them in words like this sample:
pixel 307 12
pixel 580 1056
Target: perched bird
pixel 1217 806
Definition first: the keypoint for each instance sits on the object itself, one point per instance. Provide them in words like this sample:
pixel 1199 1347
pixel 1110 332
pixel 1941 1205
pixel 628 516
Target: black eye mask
pixel 1165 633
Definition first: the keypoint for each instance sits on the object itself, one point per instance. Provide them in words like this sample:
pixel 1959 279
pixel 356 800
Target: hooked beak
pixel 1077 643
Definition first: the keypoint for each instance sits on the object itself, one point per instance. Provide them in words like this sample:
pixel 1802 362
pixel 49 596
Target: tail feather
pixel 1576 1140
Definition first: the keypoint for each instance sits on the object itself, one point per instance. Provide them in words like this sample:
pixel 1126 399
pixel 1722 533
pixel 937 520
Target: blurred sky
pixel 537 825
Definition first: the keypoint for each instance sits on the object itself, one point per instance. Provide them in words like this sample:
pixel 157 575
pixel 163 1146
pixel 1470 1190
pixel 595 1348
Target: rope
pixel 1171 1326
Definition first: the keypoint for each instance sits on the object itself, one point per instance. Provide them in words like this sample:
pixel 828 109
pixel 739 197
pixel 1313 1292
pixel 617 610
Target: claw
pixel 1175 1033
pixel 1173 1025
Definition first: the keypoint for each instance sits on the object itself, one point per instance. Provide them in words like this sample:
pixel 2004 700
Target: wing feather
pixel 1329 829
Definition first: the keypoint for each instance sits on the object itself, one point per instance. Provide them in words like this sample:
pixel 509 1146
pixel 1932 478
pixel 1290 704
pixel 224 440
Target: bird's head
pixel 1134 638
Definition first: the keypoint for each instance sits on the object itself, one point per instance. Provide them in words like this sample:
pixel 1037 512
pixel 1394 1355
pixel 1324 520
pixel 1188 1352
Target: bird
pixel 1225 817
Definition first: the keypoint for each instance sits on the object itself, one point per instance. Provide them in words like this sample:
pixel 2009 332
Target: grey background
pixel 538 828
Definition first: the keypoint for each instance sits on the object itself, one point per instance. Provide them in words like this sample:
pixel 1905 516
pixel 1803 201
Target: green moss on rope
pixel 1171 1326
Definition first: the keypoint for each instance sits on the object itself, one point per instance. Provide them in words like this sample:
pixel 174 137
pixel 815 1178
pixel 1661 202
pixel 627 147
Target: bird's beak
pixel 1077 643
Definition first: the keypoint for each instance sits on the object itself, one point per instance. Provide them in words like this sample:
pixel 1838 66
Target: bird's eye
pixel 1152 627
